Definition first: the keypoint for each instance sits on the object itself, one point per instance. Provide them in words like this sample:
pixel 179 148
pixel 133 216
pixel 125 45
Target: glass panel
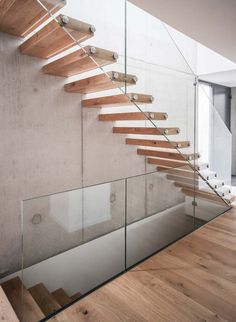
pixel 209 204
pixel 73 242
pixel 214 137
pixel 156 213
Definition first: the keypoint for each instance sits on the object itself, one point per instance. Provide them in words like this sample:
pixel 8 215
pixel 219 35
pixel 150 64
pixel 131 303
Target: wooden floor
pixel 192 280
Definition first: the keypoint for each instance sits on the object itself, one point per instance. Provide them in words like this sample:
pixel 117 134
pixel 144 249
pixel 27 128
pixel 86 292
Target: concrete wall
pixel 233 129
pixel 49 144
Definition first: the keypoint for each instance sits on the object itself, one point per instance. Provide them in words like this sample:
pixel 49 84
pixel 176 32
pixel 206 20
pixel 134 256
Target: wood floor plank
pixel 192 280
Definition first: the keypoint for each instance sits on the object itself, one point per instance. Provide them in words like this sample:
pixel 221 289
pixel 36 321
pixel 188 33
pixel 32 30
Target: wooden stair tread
pixel 222 191
pixel 101 82
pixel 216 183
pixel 7 313
pixel 30 310
pixel 21 17
pixel 206 174
pixel 52 39
pixel 133 116
pixel 61 297
pixel 118 100
pixel 44 299
pixel 80 61
pixel 169 163
pixel 184 180
pixel 185 165
pixel 158 143
pixel 146 130
pixel 75 296
pixel 168 155
pixel 212 196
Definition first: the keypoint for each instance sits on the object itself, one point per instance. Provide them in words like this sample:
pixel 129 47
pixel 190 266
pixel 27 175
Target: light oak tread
pixel 206 174
pixel 14 289
pixel 168 155
pixel 61 297
pixel 210 195
pixel 158 143
pixel 7 313
pixel 21 17
pixel 133 116
pixel 118 100
pixel 184 165
pixel 44 299
pixel 101 82
pixel 146 130
pixel 80 61
pixel 53 39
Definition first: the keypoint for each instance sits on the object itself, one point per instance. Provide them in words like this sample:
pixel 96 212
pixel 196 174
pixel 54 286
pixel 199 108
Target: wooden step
pixel 169 163
pixel 44 299
pixel 206 195
pixel 133 116
pixel 184 165
pixel 101 82
pixel 230 198
pixel 80 61
pixel 61 297
pixel 222 191
pixel 168 155
pixel 186 185
pixel 14 290
pixel 21 17
pixel 7 313
pixel 75 296
pixel 158 143
pixel 146 130
pixel 187 173
pixel 184 180
pixel 53 39
pixel 118 100
pixel 208 175
pixel 216 183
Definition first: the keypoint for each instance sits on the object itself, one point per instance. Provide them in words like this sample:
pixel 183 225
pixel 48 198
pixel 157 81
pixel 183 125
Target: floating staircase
pixel 30 305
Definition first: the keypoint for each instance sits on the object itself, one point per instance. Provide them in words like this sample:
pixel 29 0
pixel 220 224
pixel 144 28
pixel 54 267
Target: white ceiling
pixel 210 22
pixel 227 78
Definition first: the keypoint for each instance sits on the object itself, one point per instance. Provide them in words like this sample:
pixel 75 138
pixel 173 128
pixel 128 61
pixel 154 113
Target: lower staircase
pixel 17 303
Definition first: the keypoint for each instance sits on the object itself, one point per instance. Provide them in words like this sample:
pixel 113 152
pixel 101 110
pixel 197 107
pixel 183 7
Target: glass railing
pixel 77 240
pixel 112 193
pixel 214 139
